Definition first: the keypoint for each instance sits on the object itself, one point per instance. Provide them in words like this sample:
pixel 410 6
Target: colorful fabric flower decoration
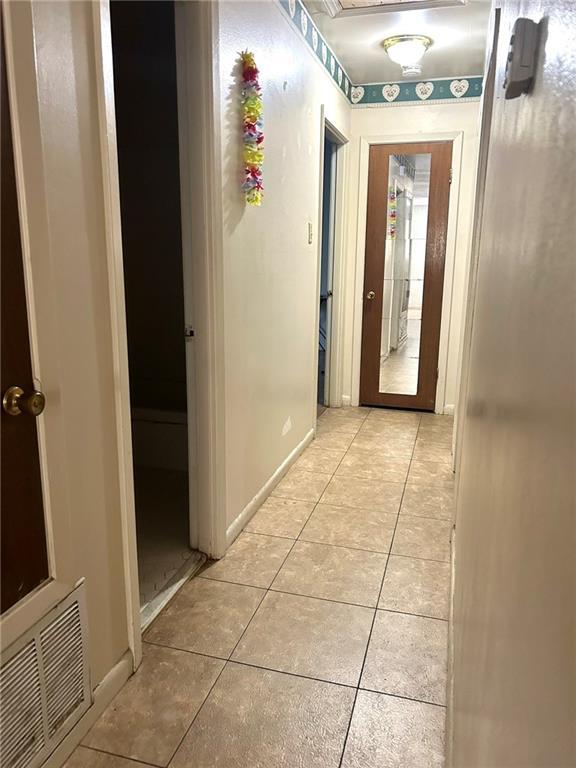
pixel 252 126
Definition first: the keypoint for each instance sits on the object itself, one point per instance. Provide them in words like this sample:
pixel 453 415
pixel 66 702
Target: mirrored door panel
pixel 405 243
pixel 407 218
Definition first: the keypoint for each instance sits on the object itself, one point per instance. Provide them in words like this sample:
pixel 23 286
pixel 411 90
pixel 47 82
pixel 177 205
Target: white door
pixel 56 119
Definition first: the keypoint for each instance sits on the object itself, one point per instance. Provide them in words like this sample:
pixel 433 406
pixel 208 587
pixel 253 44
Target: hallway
pixel 321 638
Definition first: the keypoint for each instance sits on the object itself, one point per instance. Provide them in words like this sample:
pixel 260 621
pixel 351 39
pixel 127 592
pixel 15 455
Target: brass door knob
pixel 370 295
pixel 16 401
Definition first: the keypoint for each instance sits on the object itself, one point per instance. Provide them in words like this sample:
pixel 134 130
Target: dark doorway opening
pixel 145 81
pixel 326 269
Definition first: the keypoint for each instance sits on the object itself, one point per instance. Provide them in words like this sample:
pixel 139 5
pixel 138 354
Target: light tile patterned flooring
pixel 320 639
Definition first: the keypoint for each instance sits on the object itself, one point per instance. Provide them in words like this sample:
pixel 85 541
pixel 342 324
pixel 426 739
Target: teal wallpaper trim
pixel 429 90
pixel 308 30
pixel 377 93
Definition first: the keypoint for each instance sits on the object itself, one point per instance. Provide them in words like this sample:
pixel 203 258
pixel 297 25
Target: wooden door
pixel 406 226
pixel 24 562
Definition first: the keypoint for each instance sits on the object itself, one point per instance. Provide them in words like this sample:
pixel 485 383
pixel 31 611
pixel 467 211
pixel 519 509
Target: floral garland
pixel 252 125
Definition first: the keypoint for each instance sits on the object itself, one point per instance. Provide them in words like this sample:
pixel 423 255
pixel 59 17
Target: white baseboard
pixel 250 509
pixel 449 410
pixel 103 695
pixel 346 400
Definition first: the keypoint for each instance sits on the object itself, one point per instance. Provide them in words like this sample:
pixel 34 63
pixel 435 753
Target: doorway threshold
pixel 190 568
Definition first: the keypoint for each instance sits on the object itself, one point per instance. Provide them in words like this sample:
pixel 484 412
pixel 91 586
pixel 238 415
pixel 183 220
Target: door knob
pixel 370 295
pixel 16 401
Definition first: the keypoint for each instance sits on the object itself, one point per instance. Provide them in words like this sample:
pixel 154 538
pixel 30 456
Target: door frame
pixel 335 357
pixel 381 156
pixel 198 22
pixel 366 142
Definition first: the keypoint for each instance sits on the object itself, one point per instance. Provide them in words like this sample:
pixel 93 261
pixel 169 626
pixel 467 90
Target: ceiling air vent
pixel 44 684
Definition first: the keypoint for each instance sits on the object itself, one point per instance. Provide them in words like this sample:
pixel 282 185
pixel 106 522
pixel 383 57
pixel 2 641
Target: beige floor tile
pixel 347 412
pixel 347 527
pixel 309 637
pixel 437 420
pixel 429 452
pixel 206 616
pixel 333 573
pixel 151 714
pixel 394 417
pixel 363 494
pixel 436 434
pixel 433 421
pixel 383 444
pixel 388 732
pixel 357 411
pixel 373 466
pixel 317 459
pixel 428 501
pixel 259 719
pixel 301 485
pixel 253 560
pixel 407 657
pixel 281 517
pixel 338 422
pixel 388 429
pixel 422 537
pixel 430 473
pixel 334 441
pixel 416 586
pixel 83 757
pixel 434 441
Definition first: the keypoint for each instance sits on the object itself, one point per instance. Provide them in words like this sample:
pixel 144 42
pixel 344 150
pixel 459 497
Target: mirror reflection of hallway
pixel 408 189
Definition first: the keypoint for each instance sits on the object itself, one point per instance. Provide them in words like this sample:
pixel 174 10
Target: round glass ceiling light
pixel 407 50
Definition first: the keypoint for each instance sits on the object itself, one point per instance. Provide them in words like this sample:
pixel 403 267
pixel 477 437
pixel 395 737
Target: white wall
pixel 407 123
pixel 270 271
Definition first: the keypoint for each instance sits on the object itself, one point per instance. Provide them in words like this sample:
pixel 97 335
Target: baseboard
pixel 346 400
pixel 449 410
pixel 250 509
pixel 102 696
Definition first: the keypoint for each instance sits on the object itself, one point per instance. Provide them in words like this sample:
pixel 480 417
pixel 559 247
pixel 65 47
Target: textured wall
pixel 270 270
pixel 514 604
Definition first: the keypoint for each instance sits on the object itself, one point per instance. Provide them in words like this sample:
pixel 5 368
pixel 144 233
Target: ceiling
pixel 458 32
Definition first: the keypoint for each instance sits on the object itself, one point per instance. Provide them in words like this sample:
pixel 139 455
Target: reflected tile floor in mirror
pixel 320 639
pixel 399 371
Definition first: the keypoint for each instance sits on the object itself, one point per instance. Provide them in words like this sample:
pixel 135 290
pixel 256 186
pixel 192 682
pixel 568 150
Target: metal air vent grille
pixel 44 685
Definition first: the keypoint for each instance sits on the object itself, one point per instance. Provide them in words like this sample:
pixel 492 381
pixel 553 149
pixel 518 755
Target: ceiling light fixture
pixel 407 50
